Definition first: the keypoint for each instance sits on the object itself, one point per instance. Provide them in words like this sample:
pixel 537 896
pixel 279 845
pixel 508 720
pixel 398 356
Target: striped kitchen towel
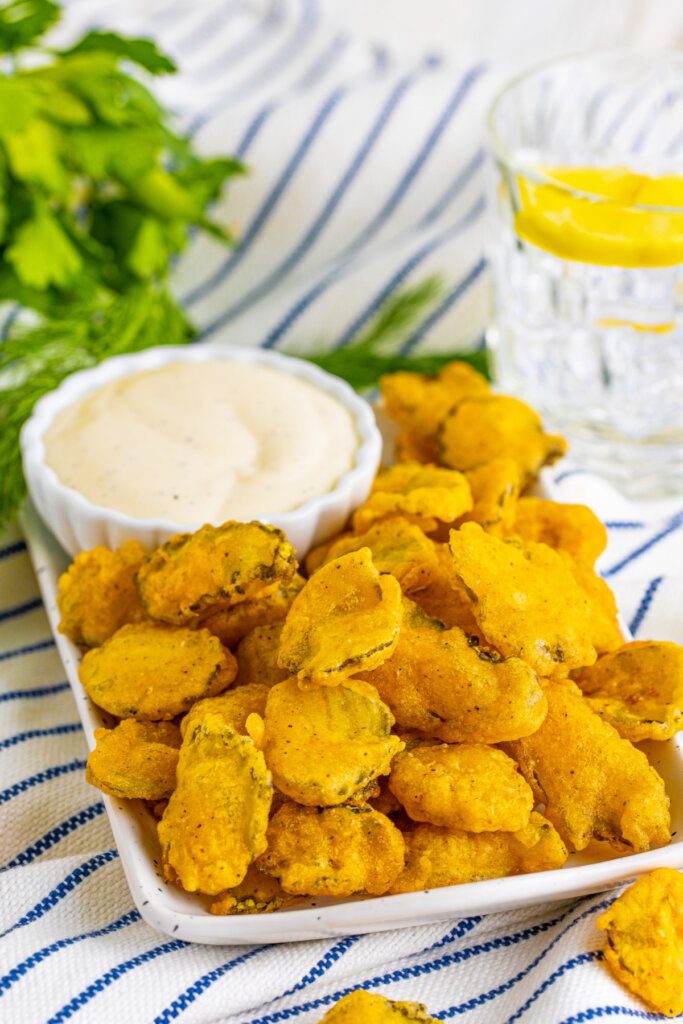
pixel 366 173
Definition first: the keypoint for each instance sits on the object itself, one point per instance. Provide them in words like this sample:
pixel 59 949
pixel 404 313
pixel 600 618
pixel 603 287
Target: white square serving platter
pixel 186 916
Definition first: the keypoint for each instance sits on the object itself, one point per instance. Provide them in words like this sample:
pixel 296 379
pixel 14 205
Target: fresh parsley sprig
pixel 97 190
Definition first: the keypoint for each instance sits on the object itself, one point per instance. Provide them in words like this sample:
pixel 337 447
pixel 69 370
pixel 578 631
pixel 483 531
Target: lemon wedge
pixel 610 226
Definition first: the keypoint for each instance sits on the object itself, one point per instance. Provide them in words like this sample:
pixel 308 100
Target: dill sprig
pixel 35 359
pixel 378 349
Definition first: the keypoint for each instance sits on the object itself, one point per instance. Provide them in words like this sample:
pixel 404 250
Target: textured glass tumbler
pixel 586 199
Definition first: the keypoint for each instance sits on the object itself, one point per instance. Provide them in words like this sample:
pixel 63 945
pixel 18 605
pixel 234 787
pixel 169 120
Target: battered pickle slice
pixel 333 851
pixel 97 593
pixel 346 619
pixel 480 429
pixel 495 490
pixel 154 671
pixel 644 948
pixel 573 528
pixel 363 1007
pixel 437 856
pixel 256 894
pixel 418 403
pixel 594 784
pixel 257 657
pixel 326 744
pixel 638 689
pixel 468 786
pixel 445 598
pixel 216 820
pixel 605 632
pixel 525 599
pixel 427 495
pixel 441 682
pixel 216 565
pixel 136 760
pixel 235 706
pixel 398 547
pixel 232 623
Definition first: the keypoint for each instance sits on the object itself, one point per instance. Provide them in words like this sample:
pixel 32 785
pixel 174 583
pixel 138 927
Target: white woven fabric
pixel 366 172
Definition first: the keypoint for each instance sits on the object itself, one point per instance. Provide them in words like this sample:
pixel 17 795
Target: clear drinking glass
pixel 587 258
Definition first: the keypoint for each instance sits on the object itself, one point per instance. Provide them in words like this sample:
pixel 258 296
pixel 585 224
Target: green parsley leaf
pixel 42 254
pixel 143 52
pixel 24 21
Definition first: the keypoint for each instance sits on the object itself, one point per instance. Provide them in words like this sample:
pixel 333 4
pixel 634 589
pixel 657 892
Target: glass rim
pixel 532 172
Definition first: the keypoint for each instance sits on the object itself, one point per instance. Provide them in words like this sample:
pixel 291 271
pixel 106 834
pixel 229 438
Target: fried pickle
pixel 594 784
pixel 495 490
pixel 155 671
pixel 97 593
pixel 644 948
pixel 256 894
pixel 333 851
pixel 525 599
pixel 216 565
pixel 444 598
pixel 437 856
pixel 231 624
pixel 326 744
pixel 362 1007
pixel 215 823
pixel 480 429
pixel 427 495
pixel 419 403
pixel 573 528
pixel 235 706
pixel 638 689
pixel 442 683
pixel 603 618
pixel 135 760
pixel 470 786
pixel 345 620
pixel 398 547
pixel 257 657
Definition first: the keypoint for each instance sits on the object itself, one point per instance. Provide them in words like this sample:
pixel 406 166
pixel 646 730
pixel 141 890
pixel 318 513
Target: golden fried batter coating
pixel 419 403
pixel 470 786
pixel 495 490
pixel 525 599
pixel 216 565
pixel 605 632
pixel 231 624
pixel 256 894
pixel 480 429
pixel 594 784
pixel 398 547
pixel 215 823
pixel 136 760
pixel 333 851
pixel 644 948
pixel 362 1007
pixel 442 683
pixel 97 593
pixel 326 744
pixel 154 671
pixel 574 528
pixel 445 598
pixel 437 856
pixel 638 689
pixel 235 706
pixel 345 620
pixel 427 495
pixel 257 657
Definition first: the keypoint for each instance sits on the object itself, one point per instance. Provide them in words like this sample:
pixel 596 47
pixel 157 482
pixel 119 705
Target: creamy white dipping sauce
pixel 198 442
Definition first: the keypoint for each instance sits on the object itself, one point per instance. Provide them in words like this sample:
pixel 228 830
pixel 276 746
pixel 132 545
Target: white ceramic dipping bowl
pixel 80 525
